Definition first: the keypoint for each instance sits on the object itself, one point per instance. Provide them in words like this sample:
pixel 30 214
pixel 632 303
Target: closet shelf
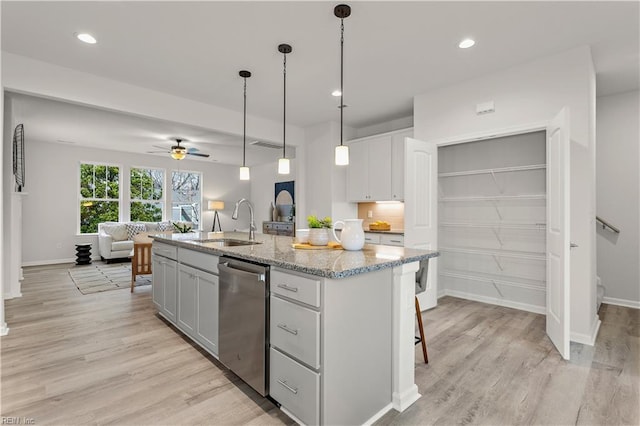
pixel 497 170
pixel 527 283
pixel 495 198
pixel 496 252
pixel 538 226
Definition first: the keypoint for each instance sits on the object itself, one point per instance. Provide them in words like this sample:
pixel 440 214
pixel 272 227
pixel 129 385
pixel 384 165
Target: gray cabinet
pixel 198 298
pixel 185 292
pixel 165 279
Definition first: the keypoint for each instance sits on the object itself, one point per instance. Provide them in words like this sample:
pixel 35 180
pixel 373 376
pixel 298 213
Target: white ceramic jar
pixel 352 234
pixel 318 236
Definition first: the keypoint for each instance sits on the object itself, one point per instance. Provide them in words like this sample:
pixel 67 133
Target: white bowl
pixel 302 236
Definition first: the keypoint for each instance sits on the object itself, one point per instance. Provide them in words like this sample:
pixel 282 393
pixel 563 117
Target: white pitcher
pixel 352 234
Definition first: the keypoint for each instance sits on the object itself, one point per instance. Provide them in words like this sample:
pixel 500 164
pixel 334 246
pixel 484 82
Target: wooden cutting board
pixel 305 246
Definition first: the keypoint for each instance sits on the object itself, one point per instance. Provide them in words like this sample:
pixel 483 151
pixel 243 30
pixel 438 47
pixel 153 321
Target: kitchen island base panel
pixel 356 347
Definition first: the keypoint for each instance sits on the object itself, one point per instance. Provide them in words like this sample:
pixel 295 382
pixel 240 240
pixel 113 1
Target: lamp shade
pixel 283 166
pixel 342 155
pixel 245 174
pixel 216 205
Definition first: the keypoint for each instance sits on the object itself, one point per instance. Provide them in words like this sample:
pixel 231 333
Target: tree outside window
pixel 147 195
pixel 186 197
pixel 99 195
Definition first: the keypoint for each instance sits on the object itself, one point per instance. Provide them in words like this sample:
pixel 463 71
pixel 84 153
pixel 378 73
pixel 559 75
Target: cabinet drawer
pixel 165 250
pixel 205 261
pixel 295 387
pixel 295 330
pixel 370 238
pixel 392 240
pixel 296 287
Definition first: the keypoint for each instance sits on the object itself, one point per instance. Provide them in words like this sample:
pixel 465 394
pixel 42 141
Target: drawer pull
pixel 284 383
pixel 286 287
pixel 395 241
pixel 287 329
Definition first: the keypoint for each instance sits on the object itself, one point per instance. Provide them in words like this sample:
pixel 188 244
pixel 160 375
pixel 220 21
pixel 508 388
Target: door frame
pixel 498 133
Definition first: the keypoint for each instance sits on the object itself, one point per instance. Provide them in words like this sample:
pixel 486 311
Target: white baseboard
pixel 4 330
pixel 588 339
pixel 621 302
pixel 8 296
pixel 495 301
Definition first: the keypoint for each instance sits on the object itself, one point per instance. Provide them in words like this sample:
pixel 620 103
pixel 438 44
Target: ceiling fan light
pixel 244 173
pixel 178 153
pixel 342 155
pixel 283 166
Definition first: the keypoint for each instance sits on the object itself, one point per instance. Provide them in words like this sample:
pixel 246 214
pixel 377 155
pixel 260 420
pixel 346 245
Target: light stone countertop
pixel 277 251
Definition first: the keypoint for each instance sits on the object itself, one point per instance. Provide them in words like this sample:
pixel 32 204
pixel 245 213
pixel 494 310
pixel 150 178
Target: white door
pixel 558 227
pixel 421 208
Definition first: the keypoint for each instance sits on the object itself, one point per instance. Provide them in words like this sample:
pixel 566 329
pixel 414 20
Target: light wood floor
pixel 108 359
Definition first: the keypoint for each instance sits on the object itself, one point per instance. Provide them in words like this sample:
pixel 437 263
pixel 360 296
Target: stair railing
pixel 606 225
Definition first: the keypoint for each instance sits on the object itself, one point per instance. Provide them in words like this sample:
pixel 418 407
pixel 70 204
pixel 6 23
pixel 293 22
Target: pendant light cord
pixel 341 76
pixel 284 108
pixel 244 125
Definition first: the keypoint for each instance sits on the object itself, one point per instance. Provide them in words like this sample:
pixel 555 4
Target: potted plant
pixel 319 230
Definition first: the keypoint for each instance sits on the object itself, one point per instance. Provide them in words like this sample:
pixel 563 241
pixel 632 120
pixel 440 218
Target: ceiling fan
pixel 179 152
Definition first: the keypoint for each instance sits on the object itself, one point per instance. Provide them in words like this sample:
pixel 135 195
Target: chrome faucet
pixel 252 224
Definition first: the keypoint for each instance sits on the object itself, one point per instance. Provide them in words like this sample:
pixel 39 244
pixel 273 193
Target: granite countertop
pixel 276 250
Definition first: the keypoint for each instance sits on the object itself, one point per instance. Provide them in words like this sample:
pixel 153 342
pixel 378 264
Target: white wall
pixel 3 325
pixel 263 180
pixel 618 186
pixel 387 126
pixel 325 182
pixel 50 211
pixel 526 95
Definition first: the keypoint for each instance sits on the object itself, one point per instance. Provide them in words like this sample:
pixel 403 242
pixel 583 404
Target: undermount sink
pixel 226 242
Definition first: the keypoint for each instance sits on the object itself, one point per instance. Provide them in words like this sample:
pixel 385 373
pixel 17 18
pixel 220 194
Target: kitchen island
pixel 341 323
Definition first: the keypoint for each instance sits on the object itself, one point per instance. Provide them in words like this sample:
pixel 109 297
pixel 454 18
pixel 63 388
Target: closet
pixel 492 198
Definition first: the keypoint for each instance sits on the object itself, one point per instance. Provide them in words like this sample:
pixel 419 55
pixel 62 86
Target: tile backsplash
pixel 391 212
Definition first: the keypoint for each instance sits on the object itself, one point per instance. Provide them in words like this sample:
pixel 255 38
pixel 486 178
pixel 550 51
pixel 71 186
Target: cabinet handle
pixel 395 241
pixel 284 383
pixel 287 329
pixel 286 287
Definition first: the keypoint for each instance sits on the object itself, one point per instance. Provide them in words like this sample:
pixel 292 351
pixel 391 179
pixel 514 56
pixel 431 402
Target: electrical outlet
pixel 369 214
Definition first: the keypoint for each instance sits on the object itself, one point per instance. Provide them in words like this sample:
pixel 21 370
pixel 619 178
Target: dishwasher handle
pixel 225 267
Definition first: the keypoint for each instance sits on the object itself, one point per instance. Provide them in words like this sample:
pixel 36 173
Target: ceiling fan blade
pixel 160 147
pixel 192 150
pixel 198 154
pixel 158 152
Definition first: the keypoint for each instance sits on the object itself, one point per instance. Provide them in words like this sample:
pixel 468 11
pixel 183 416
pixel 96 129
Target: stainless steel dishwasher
pixel 243 321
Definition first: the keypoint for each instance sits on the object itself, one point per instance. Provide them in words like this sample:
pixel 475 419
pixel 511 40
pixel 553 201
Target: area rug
pixel 100 276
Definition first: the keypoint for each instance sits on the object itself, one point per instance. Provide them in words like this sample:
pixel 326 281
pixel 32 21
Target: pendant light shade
pixel 342 151
pixel 283 163
pixel 244 170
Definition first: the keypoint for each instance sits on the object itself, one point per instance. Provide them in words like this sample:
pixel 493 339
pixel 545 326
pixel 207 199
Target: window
pixel 147 195
pixel 186 197
pixel 99 195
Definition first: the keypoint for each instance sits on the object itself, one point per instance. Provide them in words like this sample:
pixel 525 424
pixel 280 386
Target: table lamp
pixel 216 205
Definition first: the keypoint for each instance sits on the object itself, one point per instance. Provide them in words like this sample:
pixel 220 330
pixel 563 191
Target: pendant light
pixel 283 163
pixel 244 170
pixel 342 151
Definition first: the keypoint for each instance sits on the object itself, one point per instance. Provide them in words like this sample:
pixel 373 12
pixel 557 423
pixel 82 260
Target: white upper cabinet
pixel 369 171
pixel 397 168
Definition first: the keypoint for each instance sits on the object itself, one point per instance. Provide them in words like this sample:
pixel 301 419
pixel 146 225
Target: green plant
pixel 314 222
pixel 183 228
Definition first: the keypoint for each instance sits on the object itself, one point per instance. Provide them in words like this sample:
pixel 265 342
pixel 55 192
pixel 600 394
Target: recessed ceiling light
pixel 466 43
pixel 87 38
pixel 336 93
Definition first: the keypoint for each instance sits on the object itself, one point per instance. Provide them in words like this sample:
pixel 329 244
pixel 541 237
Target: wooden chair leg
pixel 422 340
pixel 134 266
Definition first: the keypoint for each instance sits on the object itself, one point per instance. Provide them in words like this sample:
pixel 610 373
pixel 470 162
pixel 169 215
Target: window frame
pixel 162 200
pixel 80 198
pixel 170 203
